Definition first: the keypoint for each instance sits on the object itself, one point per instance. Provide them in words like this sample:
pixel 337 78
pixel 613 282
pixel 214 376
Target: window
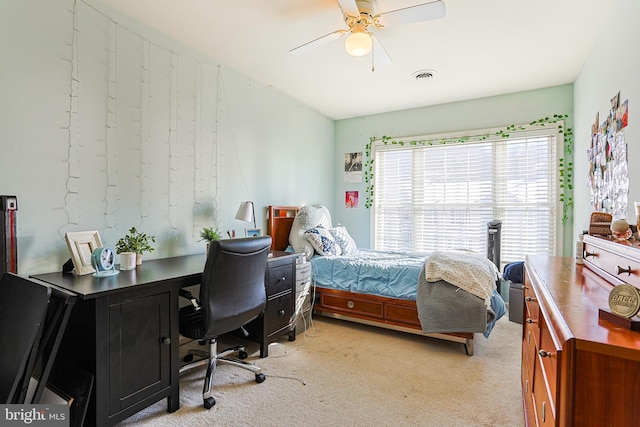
pixel 434 195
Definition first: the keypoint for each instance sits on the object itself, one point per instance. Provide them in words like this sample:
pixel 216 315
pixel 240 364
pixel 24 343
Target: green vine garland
pixel 565 167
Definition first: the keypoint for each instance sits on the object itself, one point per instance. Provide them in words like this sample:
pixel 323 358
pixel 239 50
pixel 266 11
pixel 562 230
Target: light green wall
pixel 83 154
pixel 613 66
pixel 106 124
pixel 353 134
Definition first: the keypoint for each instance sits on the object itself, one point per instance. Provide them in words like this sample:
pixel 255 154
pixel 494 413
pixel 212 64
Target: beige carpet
pixel 343 374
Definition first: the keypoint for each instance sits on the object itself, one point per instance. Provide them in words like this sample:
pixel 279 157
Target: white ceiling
pixel 480 48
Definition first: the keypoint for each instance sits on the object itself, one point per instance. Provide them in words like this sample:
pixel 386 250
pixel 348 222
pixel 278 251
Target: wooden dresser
pixel 578 370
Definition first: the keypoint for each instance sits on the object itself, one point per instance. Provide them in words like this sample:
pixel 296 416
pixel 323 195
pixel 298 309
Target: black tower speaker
pixel 494 230
pixel 9 244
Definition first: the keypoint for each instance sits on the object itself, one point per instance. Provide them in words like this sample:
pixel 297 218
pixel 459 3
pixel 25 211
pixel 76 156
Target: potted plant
pixel 136 242
pixel 209 234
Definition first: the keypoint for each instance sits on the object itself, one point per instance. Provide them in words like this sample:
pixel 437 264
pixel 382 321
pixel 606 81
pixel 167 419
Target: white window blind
pixel 441 196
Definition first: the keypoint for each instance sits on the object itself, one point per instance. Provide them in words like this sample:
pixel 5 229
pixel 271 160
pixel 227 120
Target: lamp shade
pixel 246 213
pixel 359 42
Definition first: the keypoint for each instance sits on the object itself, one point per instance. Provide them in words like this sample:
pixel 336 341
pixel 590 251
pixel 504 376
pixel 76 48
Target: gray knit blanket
pixel 445 307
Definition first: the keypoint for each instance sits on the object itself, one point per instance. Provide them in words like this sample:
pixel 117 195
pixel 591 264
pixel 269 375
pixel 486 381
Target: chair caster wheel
pixel 209 402
pixel 242 354
pixel 260 378
pixel 188 358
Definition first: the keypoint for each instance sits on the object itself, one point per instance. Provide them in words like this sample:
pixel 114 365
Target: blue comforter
pixel 388 274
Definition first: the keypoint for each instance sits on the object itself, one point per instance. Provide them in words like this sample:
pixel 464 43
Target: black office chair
pixel 232 294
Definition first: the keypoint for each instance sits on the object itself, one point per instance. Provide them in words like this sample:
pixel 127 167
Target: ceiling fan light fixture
pixel 359 42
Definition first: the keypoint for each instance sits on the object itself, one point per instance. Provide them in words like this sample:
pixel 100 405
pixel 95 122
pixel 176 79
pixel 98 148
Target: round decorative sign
pixel 624 300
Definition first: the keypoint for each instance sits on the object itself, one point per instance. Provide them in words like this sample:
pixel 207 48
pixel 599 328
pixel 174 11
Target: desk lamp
pixel 246 213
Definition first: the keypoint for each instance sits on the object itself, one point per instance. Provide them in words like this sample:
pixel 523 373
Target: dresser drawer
pixel 541 403
pixel 624 269
pixel 529 341
pixel 548 355
pixel 531 328
pixel 279 279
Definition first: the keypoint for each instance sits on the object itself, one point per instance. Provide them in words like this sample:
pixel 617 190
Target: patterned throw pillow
pixel 344 240
pixel 322 241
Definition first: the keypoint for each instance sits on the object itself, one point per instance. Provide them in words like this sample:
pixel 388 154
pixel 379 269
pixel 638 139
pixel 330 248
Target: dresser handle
pixel 587 254
pixel 624 270
pixel 530 320
pixel 529 299
pixel 166 340
pixel 350 304
pixel 281 312
pixel 544 353
pixel 544 411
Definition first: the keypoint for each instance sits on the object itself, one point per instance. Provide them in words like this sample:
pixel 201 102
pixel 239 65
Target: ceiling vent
pixel 424 74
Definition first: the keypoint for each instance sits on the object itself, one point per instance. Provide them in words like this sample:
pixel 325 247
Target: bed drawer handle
pixel 350 304
pixel 529 299
pixel 624 270
pixel 588 254
pixel 530 320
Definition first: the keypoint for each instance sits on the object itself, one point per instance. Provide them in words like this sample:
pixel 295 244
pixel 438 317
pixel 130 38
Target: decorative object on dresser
pixel 620 229
pixel 579 368
pixel 600 224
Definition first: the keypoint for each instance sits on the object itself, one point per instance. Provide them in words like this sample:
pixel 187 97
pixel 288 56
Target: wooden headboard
pixel 279 222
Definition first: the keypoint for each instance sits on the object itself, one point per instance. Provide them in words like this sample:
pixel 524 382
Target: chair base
pixel 222 357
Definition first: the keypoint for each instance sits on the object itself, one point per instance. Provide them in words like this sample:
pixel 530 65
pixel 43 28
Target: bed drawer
pixel 352 305
pixel 402 314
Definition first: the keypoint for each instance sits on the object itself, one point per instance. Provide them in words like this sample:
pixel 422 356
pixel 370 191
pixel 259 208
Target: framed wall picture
pixel 81 244
pixel 253 232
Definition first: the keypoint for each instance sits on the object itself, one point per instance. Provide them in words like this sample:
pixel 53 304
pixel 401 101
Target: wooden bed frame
pixel 386 312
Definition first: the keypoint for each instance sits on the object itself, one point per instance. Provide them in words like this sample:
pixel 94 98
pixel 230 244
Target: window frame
pixel 489 135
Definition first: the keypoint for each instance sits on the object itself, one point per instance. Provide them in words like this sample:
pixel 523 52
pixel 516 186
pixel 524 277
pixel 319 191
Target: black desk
pixel 124 330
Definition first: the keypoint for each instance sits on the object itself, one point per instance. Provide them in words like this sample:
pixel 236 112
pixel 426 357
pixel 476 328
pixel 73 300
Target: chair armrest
pixel 188 295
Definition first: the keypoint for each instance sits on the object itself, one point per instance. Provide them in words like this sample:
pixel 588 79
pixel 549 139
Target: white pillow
pixel 323 242
pixel 307 217
pixel 344 240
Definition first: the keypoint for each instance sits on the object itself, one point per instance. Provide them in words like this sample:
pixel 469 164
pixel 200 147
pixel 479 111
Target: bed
pixel 348 286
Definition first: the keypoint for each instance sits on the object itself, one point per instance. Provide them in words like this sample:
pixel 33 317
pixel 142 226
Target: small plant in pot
pixel 209 234
pixel 135 242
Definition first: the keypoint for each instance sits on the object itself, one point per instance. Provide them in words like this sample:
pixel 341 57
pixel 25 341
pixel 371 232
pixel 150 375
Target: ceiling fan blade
pixel 349 7
pixel 318 42
pixel 380 57
pixel 407 15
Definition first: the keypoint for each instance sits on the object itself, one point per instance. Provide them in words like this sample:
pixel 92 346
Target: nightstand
pixel 279 314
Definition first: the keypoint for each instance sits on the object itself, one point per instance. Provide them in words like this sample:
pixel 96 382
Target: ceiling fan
pixel 360 16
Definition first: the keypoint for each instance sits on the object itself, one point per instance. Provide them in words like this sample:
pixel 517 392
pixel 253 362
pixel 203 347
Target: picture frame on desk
pixel 253 232
pixel 81 244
